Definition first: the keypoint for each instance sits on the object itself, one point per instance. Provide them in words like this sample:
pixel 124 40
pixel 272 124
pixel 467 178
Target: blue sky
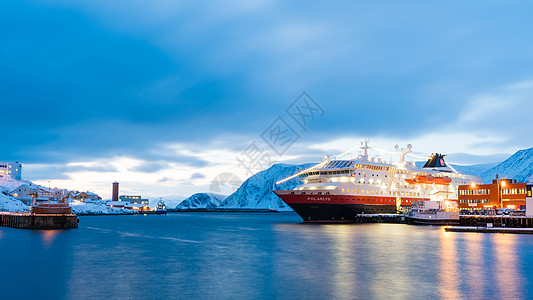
pixel 164 95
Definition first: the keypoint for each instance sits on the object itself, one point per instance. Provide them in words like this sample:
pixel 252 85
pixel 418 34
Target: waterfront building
pixel 529 197
pixel 133 199
pixel 25 190
pixel 11 169
pixel 119 204
pixel 83 196
pixel 501 193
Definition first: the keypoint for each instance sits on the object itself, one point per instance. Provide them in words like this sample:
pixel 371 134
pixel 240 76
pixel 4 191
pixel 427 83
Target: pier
pixel 380 218
pixel 41 221
pixel 497 221
pixel 489 229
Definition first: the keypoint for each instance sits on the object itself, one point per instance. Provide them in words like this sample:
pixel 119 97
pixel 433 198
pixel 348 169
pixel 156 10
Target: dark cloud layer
pixel 80 80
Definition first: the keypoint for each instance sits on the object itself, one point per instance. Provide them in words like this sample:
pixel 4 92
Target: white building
pixel 133 199
pixel 11 169
pixel 26 190
pixel 529 197
pixel 84 196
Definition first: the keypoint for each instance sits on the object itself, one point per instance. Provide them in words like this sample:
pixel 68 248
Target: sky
pixel 171 97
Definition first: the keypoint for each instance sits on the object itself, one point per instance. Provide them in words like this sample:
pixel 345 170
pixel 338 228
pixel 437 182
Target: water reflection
pixel 345 265
pixel 48 237
pixel 448 272
pixel 219 256
pixel 508 281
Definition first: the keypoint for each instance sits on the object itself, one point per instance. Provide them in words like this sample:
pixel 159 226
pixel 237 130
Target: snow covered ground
pixel 9 203
pixel 96 208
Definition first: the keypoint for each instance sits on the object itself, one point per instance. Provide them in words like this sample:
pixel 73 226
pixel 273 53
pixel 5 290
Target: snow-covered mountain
pixel 201 200
pixel 519 166
pixel 476 170
pixel 256 191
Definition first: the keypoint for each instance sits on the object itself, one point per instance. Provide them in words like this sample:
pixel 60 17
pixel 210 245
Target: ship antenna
pixel 403 153
pixel 364 146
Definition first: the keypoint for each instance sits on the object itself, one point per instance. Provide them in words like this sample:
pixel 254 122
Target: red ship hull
pixel 339 208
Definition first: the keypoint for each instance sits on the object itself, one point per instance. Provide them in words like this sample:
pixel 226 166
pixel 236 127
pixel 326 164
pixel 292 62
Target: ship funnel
pixel 435 161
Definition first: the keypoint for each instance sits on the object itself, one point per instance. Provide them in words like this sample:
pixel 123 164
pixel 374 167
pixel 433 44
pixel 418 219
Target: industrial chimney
pixel 115 191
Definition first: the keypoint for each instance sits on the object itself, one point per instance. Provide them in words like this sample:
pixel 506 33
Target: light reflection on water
pixel 449 277
pixel 48 236
pixel 259 256
pixel 507 279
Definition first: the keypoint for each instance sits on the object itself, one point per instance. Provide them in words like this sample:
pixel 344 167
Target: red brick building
pixel 501 193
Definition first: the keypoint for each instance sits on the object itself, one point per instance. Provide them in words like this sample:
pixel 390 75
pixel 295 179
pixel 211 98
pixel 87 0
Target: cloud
pixel 153 92
pixel 500 116
pixel 197 176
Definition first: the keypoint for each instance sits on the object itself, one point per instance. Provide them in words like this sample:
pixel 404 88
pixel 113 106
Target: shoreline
pixel 246 210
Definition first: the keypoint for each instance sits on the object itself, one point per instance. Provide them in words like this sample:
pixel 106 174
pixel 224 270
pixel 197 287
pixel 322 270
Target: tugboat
pixel 160 208
pixel 60 207
pixel 433 213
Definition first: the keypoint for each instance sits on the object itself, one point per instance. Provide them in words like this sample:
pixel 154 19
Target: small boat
pixel 160 208
pixel 59 207
pixel 431 212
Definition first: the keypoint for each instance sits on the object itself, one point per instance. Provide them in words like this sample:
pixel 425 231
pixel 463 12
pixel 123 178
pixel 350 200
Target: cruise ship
pixel 335 191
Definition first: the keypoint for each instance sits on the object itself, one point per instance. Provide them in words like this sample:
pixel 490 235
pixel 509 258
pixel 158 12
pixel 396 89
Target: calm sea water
pixel 260 256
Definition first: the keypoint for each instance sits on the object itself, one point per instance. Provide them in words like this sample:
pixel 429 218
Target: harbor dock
pixel 380 218
pixel 40 221
pixel 496 221
pixel 488 229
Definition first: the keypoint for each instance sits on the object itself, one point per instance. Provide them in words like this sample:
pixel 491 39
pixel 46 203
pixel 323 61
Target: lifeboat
pixel 429 179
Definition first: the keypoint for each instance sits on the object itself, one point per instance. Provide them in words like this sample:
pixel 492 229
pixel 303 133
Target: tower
pixel 115 191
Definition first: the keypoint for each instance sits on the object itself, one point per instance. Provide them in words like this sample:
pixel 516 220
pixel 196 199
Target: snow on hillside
pixel 201 200
pixel 256 191
pixel 8 184
pixel 519 166
pixel 475 170
pixel 7 202
pixel 96 208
